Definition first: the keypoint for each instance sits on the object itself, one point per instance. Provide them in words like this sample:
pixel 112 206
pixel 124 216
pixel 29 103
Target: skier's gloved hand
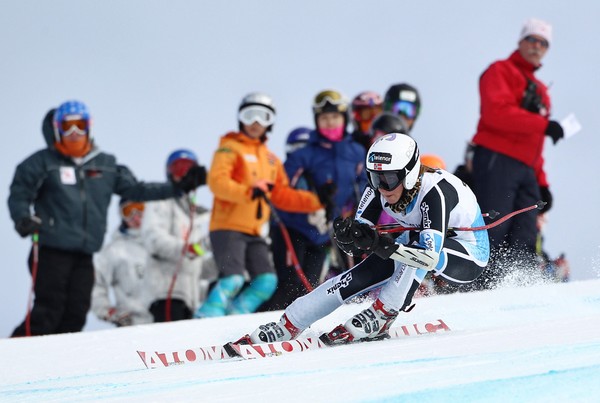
pixel 260 188
pixel 341 229
pixel 194 250
pixel 119 317
pixel 546 197
pixel 555 131
pixel 193 178
pixel 326 195
pixel 368 239
pixel 28 225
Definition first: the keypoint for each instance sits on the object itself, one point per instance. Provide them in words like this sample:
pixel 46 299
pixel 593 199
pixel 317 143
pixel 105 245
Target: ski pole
pixel 289 245
pixel 186 241
pixel 391 228
pixel 34 268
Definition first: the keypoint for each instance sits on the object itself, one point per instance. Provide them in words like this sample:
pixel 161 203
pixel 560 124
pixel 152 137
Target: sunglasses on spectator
pixel 257 113
pixel 533 40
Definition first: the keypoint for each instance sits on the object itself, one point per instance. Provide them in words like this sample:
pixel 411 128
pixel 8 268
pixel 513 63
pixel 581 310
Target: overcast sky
pixel 161 75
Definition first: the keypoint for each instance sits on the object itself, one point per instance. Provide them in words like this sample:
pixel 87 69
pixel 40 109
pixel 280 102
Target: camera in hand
pixel 532 100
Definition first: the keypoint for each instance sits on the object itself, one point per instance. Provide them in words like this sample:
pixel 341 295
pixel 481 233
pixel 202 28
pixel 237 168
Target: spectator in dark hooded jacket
pixel 69 184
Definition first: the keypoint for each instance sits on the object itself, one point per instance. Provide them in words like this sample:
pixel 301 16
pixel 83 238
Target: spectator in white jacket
pixel 175 233
pixel 120 266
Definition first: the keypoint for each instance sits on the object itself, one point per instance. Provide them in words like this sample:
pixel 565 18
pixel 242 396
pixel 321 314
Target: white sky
pixel 161 75
pixel 538 344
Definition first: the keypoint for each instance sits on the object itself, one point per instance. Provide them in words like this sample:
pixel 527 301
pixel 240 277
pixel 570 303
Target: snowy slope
pixel 540 343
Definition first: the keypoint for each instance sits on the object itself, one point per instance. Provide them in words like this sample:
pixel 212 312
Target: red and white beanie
pixel 533 26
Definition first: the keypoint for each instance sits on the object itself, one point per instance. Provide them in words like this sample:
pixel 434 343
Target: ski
pixel 216 353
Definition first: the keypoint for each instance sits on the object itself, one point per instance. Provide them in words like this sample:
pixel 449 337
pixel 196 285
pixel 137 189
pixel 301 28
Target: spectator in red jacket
pixel 508 169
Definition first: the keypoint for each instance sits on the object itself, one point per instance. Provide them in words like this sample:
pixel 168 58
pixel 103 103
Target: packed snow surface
pixel 538 343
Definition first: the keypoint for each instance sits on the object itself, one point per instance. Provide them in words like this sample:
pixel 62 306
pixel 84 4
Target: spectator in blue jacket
pixel 332 165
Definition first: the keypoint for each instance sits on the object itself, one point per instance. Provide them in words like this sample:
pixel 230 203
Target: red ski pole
pixel 289 245
pixel 34 268
pixel 186 241
pixel 391 228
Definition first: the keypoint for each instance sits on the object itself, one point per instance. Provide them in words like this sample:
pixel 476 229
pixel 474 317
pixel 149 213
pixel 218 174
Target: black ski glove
pixel 326 193
pixel 555 131
pixel 28 225
pixel 546 197
pixel 341 229
pixel 195 177
pixel 367 239
pixel 257 193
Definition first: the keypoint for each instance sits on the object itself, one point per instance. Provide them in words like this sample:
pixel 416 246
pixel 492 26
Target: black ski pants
pixel 504 184
pixel 63 292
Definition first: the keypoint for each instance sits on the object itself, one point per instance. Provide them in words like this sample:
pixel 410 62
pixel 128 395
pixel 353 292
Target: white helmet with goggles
pixel 257 107
pixel 393 160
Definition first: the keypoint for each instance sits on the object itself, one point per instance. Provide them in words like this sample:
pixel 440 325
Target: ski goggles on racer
pixel 131 209
pixel 333 98
pixel 257 113
pixel 405 108
pixel 386 180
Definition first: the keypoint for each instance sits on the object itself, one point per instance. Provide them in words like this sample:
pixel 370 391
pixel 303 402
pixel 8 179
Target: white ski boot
pixel 283 330
pixel 369 325
pixel 372 323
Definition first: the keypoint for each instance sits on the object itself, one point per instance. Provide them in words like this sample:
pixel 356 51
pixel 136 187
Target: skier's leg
pixel 460 263
pixel 370 273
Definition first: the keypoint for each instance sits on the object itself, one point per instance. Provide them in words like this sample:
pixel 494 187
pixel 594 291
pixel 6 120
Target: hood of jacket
pixel 48 128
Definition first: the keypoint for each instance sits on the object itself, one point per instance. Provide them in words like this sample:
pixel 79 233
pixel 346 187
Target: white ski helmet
pixel 393 160
pixel 257 107
pixel 257 98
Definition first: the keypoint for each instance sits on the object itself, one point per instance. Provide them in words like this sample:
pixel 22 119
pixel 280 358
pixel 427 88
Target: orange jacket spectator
pixel 238 163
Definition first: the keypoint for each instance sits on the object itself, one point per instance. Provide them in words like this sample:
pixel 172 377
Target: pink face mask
pixel 333 134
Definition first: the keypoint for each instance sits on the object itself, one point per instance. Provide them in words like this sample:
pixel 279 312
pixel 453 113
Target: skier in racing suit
pixel 433 202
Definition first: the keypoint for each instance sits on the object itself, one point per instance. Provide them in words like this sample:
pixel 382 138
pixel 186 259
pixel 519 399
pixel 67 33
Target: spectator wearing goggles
pixel 119 269
pixel 403 100
pixel 331 165
pixel 246 178
pixel 62 193
pixel 366 106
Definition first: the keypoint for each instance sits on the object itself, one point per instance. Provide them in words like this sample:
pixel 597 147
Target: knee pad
pixel 261 288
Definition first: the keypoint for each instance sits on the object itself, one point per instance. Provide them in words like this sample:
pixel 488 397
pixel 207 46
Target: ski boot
pixel 283 330
pixel 369 325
